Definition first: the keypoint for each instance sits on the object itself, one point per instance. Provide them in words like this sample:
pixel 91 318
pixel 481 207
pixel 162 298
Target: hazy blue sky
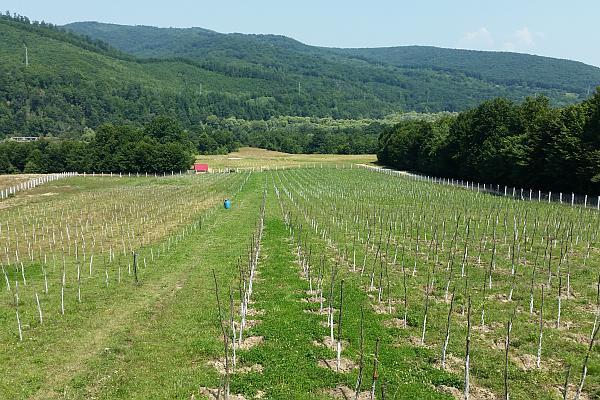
pixel 556 28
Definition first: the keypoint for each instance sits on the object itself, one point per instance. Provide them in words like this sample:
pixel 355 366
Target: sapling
pixel 16 296
pixel 39 307
pixel 45 279
pixel 78 283
pixel 23 274
pixel 506 352
pixel 445 345
pixel 532 283
pixel 135 273
pixel 467 352
pixel 389 293
pixel 566 386
pixel 362 353
pixel 466 289
pixel 559 301
pixel 550 244
pixel 232 324
pixel 597 312
pixel 380 288
pixel 354 254
pixel 541 331
pixel 62 292
pixel 464 259
pixel 375 369
pixel 371 285
pixel 426 309
pixel 225 336
pixel 19 326
pixel 321 283
pixel 405 291
pixel 483 297
pixel 585 362
pixel 6 279
pixel 330 311
pixel 339 341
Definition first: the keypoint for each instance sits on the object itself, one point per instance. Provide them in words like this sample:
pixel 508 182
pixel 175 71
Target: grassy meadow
pixel 249 157
pixel 331 283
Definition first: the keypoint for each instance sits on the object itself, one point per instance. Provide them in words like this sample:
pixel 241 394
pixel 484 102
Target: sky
pixel 554 28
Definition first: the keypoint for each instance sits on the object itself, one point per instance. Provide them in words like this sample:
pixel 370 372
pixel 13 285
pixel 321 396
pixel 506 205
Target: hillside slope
pixel 72 82
pixel 273 51
pixel 429 78
pixel 501 67
pixel 67 86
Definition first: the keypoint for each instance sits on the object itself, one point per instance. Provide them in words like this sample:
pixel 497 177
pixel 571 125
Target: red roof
pixel 201 167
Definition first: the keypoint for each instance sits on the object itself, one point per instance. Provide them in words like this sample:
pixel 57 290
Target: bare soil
pixel 345 393
pixel 346 365
pixel 219 365
pixel 213 394
pixel 394 323
pixel 250 342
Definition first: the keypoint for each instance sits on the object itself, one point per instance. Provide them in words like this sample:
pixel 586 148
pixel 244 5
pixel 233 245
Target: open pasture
pixel 249 157
pixel 319 283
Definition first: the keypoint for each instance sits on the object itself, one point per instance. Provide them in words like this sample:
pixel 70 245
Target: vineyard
pixel 319 283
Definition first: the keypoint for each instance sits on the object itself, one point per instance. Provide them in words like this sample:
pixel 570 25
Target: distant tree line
pixel 160 146
pixel 288 134
pixel 531 145
pixel 164 145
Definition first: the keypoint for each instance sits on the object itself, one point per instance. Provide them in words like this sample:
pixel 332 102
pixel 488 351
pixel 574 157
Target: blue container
pixel 227 204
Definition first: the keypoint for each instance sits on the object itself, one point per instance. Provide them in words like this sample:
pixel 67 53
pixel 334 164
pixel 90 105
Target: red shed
pixel 200 167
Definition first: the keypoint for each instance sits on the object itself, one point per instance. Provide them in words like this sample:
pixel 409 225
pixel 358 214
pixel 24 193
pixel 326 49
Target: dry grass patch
pixel 346 365
pixel 345 393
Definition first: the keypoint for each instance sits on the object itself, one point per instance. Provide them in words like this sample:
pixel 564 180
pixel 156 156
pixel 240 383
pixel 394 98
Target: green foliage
pixel 504 68
pixel 76 82
pixel 5 165
pixel 113 149
pixel 531 145
pixel 288 134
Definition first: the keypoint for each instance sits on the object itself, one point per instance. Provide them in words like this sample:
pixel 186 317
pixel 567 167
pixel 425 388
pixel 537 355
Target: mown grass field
pixel 249 157
pixel 386 253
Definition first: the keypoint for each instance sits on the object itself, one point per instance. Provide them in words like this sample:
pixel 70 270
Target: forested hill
pixel 448 75
pixel 74 82
pixel 501 67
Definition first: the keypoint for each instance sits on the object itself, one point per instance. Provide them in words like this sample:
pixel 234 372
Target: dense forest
pixel 270 55
pixel 160 146
pixel 72 82
pixel 504 68
pixel 291 135
pixel 529 144
pixel 164 145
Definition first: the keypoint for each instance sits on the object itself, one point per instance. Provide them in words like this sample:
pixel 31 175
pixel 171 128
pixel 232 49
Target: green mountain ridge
pixel 495 66
pixel 505 68
pixel 87 74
